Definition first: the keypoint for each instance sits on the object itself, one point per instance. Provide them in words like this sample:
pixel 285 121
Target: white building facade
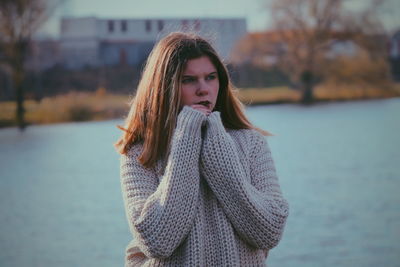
pixel 93 41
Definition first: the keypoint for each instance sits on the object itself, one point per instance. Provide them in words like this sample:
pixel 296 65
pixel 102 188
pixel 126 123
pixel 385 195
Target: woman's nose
pixel 202 88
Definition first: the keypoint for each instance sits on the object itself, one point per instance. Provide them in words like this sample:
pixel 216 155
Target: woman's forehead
pixel 199 65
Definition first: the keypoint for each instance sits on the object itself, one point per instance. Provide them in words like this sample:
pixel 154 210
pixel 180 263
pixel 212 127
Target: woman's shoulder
pixel 134 152
pixel 134 149
pixel 250 141
pixel 250 136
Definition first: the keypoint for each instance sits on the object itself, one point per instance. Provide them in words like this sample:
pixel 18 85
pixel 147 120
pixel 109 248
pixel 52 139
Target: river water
pixel 338 166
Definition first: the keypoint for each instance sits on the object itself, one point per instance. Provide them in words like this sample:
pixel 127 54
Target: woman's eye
pixel 211 77
pixel 187 80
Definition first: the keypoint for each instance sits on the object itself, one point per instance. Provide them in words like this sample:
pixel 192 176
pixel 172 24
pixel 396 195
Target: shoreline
pixel 101 106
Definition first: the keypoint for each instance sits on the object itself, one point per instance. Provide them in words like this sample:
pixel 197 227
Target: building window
pixel 110 26
pixel 160 25
pixel 148 25
pixel 123 26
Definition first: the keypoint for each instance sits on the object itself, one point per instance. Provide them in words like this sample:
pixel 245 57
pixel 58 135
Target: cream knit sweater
pixel 215 201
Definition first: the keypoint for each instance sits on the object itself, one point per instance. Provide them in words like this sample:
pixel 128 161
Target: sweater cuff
pixel 191 120
pixel 215 124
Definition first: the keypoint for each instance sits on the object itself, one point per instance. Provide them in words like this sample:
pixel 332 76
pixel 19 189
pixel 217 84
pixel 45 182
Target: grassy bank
pixel 70 107
pixel 102 106
pixel 277 95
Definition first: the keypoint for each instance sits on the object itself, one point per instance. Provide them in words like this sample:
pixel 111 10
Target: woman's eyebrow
pixel 189 75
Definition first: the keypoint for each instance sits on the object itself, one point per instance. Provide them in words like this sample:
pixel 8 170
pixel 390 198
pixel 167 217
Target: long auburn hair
pixel 154 109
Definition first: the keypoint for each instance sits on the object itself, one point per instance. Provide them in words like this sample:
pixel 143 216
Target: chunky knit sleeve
pixel 160 210
pixel 254 205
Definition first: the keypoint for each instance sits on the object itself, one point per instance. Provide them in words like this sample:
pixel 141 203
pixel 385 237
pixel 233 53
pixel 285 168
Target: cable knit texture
pixel 215 200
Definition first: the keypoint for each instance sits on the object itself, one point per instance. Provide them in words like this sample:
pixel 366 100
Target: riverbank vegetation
pixel 100 105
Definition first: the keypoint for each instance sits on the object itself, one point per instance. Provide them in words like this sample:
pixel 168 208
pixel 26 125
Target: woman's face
pixel 200 83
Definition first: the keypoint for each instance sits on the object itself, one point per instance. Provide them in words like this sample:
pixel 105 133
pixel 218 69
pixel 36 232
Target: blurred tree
pixel 308 35
pixel 305 28
pixel 359 70
pixel 19 20
pixel 310 29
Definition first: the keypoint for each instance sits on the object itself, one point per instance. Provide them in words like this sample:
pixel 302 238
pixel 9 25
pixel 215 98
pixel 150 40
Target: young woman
pixel 198 180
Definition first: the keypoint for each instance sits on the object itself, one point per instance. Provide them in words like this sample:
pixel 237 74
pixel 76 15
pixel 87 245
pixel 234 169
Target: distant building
pixel 394 55
pixel 394 46
pixel 44 54
pixel 94 42
pixel 338 47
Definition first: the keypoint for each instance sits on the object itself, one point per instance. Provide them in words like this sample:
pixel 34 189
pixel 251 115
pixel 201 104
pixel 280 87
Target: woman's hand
pixel 201 108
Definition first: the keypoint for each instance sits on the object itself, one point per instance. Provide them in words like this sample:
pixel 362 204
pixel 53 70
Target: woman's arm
pixel 160 210
pixel 254 205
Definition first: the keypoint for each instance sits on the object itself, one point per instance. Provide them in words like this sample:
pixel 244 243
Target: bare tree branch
pixel 19 20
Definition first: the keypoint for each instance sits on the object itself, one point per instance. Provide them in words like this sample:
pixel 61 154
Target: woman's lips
pixel 207 104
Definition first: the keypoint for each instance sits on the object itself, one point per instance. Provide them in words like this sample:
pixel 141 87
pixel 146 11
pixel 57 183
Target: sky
pixel 254 11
